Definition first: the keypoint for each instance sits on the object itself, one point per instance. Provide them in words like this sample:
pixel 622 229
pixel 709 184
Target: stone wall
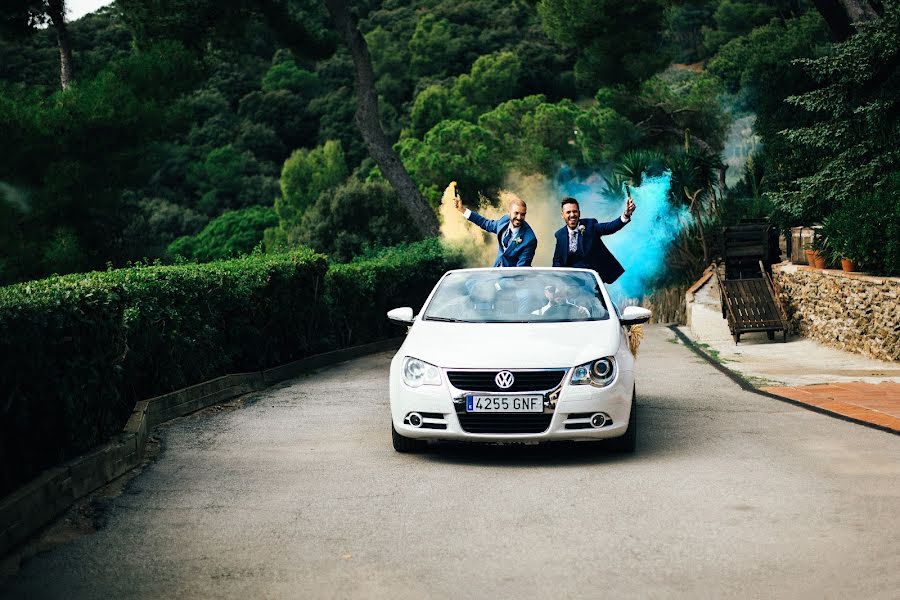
pixel 850 311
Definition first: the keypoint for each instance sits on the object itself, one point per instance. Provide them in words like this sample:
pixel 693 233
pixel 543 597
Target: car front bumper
pixel 566 413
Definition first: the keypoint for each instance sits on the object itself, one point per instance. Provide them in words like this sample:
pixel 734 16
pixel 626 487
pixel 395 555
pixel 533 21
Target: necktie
pixel 573 241
pixel 505 241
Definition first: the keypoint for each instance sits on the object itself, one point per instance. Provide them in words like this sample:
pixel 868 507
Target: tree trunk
pixel 842 15
pixel 57 11
pixel 369 123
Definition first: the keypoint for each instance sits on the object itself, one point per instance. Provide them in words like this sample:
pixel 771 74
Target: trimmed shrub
pixel 77 352
pixel 360 293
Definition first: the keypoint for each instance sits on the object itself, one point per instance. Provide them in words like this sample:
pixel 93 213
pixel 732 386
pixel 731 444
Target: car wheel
pixel 405 444
pixel 628 442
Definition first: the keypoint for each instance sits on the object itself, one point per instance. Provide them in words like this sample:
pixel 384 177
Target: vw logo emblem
pixel 504 380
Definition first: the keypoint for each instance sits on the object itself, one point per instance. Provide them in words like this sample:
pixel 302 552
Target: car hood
pixel 511 345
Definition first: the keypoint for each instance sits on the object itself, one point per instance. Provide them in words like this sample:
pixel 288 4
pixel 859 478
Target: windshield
pixel 539 296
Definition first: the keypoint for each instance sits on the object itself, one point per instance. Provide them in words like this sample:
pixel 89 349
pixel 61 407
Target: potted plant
pixel 840 243
pixel 848 265
pixel 810 254
pixel 837 255
pixel 819 248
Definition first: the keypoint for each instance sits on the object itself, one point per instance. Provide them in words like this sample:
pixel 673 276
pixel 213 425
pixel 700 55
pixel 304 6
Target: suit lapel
pixel 586 241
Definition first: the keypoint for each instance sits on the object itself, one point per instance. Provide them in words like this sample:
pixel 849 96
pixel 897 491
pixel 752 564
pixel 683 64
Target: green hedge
pixel 362 292
pixel 77 352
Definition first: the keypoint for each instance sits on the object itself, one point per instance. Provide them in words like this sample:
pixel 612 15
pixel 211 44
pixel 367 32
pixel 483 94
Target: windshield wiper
pixel 445 319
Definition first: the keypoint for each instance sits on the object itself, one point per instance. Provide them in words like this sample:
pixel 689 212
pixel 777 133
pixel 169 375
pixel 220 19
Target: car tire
pixel 628 442
pixel 404 444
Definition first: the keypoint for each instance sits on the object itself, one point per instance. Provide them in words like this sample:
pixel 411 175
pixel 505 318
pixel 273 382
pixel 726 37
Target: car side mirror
pixel 634 315
pixel 401 315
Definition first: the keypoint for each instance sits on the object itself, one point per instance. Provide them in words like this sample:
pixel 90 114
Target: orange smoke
pixel 480 247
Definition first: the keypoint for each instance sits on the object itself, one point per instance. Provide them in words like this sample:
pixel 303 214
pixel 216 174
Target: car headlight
pixel 418 372
pixel 598 373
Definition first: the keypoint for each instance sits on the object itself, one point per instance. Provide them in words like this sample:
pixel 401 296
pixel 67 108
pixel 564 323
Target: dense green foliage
pixel 234 233
pixel 306 175
pixel 851 143
pixel 361 292
pixel 616 42
pixel 354 217
pixel 111 338
pixel 71 154
pixel 184 110
pixel 866 229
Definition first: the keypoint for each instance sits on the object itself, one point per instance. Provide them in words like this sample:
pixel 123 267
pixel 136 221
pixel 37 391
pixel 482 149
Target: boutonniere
pixel 581 229
pixel 518 240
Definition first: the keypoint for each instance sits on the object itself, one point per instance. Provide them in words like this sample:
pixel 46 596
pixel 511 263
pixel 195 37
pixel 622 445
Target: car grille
pixel 504 422
pixel 525 381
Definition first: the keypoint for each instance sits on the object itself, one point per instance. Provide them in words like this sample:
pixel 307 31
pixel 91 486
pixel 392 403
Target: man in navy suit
pixel 578 244
pixel 516 241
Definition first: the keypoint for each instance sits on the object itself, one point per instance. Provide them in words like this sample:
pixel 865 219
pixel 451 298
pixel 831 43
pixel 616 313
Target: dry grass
pixel 635 335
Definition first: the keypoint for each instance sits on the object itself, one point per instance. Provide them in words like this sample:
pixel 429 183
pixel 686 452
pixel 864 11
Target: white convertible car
pixel 515 355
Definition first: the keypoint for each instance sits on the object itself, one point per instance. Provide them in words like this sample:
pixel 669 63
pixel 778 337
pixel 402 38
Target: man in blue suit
pixel 578 244
pixel 516 241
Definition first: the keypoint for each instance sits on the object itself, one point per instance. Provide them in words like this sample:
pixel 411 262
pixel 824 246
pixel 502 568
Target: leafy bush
pixel 361 292
pixel 452 150
pixel 866 229
pixel 308 173
pixel 345 221
pixel 232 234
pixel 851 143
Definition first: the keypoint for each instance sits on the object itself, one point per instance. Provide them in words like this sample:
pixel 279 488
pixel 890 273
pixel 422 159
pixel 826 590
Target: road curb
pixel 42 499
pixel 746 386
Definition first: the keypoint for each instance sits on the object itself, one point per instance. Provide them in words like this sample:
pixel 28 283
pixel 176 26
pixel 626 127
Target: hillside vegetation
pixel 202 130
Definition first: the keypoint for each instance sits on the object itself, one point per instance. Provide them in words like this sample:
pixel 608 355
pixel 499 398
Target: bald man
pixel 516 241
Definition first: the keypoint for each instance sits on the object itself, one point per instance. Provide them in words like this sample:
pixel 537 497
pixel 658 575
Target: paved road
pixel 300 495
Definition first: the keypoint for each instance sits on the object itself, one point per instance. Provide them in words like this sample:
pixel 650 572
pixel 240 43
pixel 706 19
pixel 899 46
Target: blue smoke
pixel 641 245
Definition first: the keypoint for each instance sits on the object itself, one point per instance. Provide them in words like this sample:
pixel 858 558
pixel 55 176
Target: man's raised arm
pixel 487 224
pixel 616 224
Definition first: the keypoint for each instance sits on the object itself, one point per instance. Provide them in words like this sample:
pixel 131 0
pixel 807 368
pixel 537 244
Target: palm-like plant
pixel 615 182
pixel 635 163
pixel 693 171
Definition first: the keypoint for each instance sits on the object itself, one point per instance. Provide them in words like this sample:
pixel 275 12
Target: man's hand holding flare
pixel 629 207
pixel 629 203
pixel 457 202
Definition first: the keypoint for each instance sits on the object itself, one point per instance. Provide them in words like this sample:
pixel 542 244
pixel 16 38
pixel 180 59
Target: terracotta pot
pixel 820 261
pixel 848 265
pixel 810 257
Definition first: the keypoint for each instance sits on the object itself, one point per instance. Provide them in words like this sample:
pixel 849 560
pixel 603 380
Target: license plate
pixel 506 404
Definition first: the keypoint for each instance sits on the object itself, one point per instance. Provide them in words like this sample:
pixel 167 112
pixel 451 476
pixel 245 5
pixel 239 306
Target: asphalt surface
pixel 300 495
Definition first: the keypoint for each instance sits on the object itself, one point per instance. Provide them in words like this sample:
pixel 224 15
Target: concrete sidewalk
pixel 844 384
